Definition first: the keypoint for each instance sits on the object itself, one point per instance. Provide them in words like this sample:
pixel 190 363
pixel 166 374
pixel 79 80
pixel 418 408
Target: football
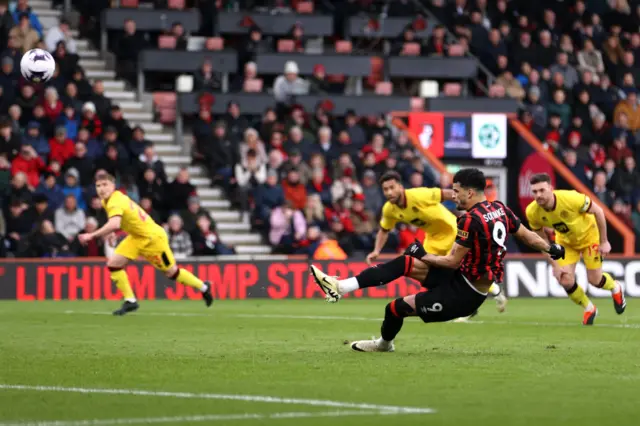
pixel 37 65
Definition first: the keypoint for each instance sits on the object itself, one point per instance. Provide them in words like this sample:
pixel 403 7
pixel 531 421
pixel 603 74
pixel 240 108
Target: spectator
pixel 147 205
pixel 576 167
pixel 6 23
pixel 20 188
pixel 206 79
pixel 294 191
pixel 5 181
pixel 26 36
pixel 318 85
pixel 46 242
pixel 357 135
pixel 50 189
pixel 560 108
pixel 546 52
pixel 102 104
pixel 562 67
pixel 70 122
pixel 93 248
pixel 626 180
pixel 252 142
pixel 237 124
pixel 7 79
pixel 180 189
pixel 69 219
pixel 52 104
pixel 192 212
pixel 364 224
pixel 345 188
pixel 250 74
pixel 373 199
pixel 613 54
pixel 249 175
pixel 15 112
pixel 314 211
pixel 138 142
pixel 58 33
pixel 95 149
pixel 326 147
pixel 290 84
pixel 127 49
pixel 253 46
pixel 82 163
pixel 9 141
pixel 205 241
pixel 320 247
pixel 600 189
pixel 66 63
pixel 71 98
pixel 288 228
pixel 90 120
pixel 149 159
pixel 295 162
pixel 17 225
pixel 22 8
pixel 590 59
pixel 619 150
pixel 72 187
pixel 267 197
pixel 629 107
pixel 177 30
pixel 377 148
pixel 117 121
pixel 297 142
pixel 61 147
pixel 319 186
pixel 150 186
pixel 29 163
pixel 179 239
pixel 40 210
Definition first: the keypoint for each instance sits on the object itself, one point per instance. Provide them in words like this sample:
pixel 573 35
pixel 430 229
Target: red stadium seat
pixel 384 88
pixel 456 50
pixel 214 43
pixel 417 104
pixel 165 99
pixel 286 45
pixel 411 49
pixel 176 4
pixel 166 42
pixel 344 46
pixel 129 3
pixel 336 78
pixel 304 7
pixel 253 86
pixel 452 89
pixel 167 115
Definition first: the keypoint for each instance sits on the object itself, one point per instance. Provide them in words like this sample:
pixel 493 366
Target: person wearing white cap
pixel 290 83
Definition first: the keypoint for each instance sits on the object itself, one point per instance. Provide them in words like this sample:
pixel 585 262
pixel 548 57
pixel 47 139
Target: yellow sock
pixel 494 290
pixel 609 282
pixel 121 281
pixel 578 296
pixel 187 278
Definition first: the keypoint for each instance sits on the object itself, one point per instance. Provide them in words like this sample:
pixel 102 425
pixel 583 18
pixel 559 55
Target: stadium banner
pixel 429 128
pixel 457 137
pixel 77 279
pixel 489 136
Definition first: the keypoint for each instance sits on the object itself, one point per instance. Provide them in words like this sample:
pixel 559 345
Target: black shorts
pixel 450 296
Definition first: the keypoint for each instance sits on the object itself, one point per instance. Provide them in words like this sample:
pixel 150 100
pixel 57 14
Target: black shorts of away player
pixel 450 296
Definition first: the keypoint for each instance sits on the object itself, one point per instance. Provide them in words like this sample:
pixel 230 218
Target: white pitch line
pixel 228 397
pixel 199 418
pixel 346 318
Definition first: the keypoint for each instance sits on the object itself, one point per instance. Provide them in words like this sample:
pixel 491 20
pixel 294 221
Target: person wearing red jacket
pixel 62 148
pixel 377 147
pixel 29 163
pixel 52 104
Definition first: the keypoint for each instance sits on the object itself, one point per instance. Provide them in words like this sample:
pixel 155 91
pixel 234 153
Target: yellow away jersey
pixel 422 209
pixel 135 220
pixel 569 217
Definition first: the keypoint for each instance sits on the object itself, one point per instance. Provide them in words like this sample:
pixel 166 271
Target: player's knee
pixel 172 273
pixel 398 308
pixel 595 278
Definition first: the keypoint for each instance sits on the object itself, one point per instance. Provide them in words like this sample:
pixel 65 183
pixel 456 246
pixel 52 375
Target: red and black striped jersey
pixel 483 230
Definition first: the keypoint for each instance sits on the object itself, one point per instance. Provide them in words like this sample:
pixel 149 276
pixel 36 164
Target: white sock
pixel 348 285
pixel 382 343
pixel 495 289
pixel 131 300
pixel 204 287
pixel 589 307
pixel 617 289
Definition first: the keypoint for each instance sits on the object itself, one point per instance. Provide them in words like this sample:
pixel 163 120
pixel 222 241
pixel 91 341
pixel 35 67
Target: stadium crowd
pixel 306 178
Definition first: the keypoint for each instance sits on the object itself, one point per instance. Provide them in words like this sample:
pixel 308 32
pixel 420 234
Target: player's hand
pixel 556 251
pixel 371 257
pixel 85 238
pixel 605 248
pixel 111 239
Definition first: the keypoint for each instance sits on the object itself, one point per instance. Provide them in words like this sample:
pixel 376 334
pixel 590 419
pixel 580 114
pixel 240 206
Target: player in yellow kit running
pixel 146 238
pixel 581 228
pixel 420 207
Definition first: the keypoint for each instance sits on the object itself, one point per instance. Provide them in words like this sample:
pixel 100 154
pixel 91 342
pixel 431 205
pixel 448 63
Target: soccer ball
pixel 37 65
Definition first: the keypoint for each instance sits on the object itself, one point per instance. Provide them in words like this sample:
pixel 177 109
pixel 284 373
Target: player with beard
pixel 458 283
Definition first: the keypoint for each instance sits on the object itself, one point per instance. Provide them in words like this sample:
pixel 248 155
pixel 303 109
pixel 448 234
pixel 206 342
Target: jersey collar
pixel 555 203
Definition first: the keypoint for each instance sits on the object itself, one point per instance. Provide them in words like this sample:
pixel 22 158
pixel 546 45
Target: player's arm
pixel 381 239
pixel 601 221
pixel 451 261
pixel 112 225
pixel 446 194
pixel 535 241
pixel 387 223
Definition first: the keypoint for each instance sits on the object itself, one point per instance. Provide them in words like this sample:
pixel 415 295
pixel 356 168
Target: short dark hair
pixel 390 175
pixel 471 178
pixel 105 176
pixel 539 178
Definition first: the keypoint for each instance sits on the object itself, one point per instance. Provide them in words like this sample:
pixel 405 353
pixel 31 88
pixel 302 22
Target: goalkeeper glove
pixel 556 251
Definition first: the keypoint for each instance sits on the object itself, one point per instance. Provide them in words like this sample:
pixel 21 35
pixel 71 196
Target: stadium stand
pixel 251 132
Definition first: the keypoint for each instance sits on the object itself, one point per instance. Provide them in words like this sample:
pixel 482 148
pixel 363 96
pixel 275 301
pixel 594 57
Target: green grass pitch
pixel 261 362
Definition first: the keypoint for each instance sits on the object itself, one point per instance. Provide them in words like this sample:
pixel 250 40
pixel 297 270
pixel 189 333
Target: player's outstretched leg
pixel 375 276
pixel 185 277
pixel 394 315
pixel 606 282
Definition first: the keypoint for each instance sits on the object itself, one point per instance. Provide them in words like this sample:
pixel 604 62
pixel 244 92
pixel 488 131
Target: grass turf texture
pixel 535 363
